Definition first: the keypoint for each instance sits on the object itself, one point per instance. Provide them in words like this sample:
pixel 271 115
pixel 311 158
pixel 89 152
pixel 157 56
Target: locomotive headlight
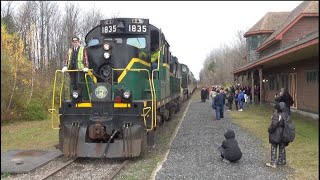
pixel 127 94
pixel 106 55
pixel 106 47
pixel 75 94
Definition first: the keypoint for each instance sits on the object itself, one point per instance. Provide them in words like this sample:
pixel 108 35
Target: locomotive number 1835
pixel 137 28
pixel 109 29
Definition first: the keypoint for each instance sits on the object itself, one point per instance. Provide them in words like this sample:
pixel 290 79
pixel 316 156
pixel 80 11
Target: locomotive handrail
pixel 144 114
pixel 154 113
pixel 154 101
pixel 94 80
pixel 152 78
pixel 53 109
pixel 153 96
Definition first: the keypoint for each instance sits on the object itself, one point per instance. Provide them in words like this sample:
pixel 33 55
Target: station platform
pixel 24 161
pixel 194 153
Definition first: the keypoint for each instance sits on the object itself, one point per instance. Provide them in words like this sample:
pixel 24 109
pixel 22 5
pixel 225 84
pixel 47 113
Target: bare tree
pixel 71 20
pixel 69 27
pixel 7 15
pixel 89 20
pixel 220 63
pixel 239 47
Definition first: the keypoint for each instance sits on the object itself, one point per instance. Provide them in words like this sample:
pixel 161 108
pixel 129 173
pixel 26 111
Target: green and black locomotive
pixel 189 83
pixel 125 100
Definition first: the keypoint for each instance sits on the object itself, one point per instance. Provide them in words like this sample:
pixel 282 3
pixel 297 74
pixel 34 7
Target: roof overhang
pixel 286 56
pixel 257 32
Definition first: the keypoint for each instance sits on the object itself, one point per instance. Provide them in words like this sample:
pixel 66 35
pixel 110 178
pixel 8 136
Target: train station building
pixel 282 50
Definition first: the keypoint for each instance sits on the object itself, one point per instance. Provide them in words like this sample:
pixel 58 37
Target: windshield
pixel 137 42
pixel 93 42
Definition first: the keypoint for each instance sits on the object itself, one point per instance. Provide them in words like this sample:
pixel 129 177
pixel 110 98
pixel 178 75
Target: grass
pixel 5 175
pixel 302 153
pixel 28 135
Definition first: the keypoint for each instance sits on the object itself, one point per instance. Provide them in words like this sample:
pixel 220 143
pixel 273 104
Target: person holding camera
pixel 285 97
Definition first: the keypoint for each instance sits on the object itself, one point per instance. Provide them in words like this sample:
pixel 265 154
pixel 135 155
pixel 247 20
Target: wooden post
pixel 248 79
pixel 242 80
pixel 252 86
pixel 260 77
pixel 237 79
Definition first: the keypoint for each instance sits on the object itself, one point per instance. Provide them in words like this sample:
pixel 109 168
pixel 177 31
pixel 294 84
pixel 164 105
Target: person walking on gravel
pixel 219 105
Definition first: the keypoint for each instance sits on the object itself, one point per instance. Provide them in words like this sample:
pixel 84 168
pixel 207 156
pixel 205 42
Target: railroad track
pixel 63 166
pixel 123 164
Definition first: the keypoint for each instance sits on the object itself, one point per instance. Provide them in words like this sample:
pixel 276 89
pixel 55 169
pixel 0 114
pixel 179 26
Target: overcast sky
pixel 194 28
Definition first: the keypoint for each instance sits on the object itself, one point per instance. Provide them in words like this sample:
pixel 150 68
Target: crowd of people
pixel 278 128
pixel 224 97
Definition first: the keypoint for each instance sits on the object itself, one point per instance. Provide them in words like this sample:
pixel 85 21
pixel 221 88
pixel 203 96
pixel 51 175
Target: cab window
pixel 93 42
pixel 137 42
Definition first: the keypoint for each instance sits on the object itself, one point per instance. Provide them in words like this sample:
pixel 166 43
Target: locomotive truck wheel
pixel 178 105
pixel 171 112
pixel 166 115
pixel 160 120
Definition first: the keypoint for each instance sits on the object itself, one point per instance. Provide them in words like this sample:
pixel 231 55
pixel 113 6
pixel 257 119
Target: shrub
pixel 34 111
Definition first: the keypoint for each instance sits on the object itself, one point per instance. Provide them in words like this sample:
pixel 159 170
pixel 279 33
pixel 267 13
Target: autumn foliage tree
pixel 35 37
pixel 15 76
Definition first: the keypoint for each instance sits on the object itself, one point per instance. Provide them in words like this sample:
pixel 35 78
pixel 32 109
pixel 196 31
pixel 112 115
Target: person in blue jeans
pixel 218 103
pixel 241 100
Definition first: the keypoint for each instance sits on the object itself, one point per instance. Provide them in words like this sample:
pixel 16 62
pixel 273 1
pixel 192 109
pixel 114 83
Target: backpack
pixel 288 133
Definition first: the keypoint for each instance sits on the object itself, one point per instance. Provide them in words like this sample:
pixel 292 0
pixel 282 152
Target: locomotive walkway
pixel 194 151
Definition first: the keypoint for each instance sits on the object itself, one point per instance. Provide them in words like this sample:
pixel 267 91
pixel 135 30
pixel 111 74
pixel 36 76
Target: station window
pixel 312 76
pixel 284 81
pixel 277 82
pixel 272 82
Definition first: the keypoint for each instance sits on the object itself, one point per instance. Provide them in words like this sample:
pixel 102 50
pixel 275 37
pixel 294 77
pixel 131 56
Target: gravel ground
pixel 194 152
pixel 82 168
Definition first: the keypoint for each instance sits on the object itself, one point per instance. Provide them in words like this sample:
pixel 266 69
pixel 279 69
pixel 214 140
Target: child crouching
pixel 230 150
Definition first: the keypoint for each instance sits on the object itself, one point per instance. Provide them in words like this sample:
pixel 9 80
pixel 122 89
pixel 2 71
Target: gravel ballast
pixel 194 151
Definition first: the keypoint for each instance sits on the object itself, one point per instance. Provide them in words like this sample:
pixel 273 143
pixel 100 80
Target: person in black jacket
pixel 218 103
pixel 275 134
pixel 236 99
pixel 230 100
pixel 203 94
pixel 230 150
pixel 285 97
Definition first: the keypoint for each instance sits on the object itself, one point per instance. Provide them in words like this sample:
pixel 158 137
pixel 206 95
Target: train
pixel 189 82
pixel 124 101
